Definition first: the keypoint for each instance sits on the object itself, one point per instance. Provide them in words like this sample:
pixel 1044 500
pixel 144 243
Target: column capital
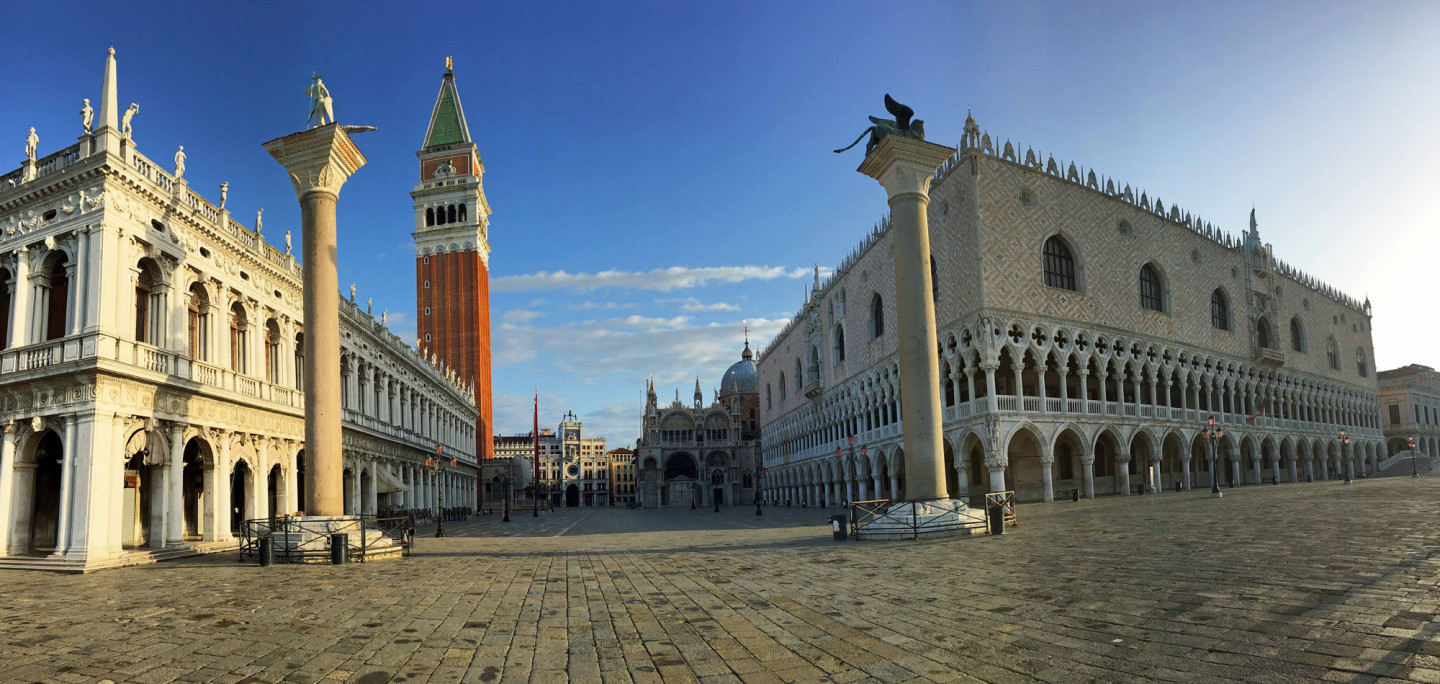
pixel 905 165
pixel 318 160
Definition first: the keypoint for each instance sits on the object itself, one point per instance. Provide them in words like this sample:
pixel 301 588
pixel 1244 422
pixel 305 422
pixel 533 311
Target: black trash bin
pixel 839 526
pixel 1074 495
pixel 995 512
pixel 339 548
pixel 267 551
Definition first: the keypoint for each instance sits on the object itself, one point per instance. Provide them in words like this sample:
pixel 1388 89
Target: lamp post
pixel 1414 468
pixel 1213 435
pixel 505 485
pixel 1344 441
pixel 437 467
pixel 759 473
pixel 717 478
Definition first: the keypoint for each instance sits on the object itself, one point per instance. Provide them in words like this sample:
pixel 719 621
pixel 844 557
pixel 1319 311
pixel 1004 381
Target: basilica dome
pixel 741 377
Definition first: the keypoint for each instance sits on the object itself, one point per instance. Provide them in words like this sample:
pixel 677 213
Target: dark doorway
pixel 193 479
pixel 300 479
pixel 239 495
pixel 135 507
pixel 45 517
pixel 572 496
pixel 720 496
pixel 274 486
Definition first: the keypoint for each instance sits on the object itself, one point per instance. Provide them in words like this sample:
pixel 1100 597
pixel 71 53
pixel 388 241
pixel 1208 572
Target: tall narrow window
pixel 57 304
pixel 197 323
pixel 272 352
pixel 462 213
pixel 1362 364
pixel 799 376
pixel 430 216
pixel 1059 264
pixel 238 328
pixel 934 279
pixel 782 385
pixel 1262 334
pixel 1297 334
pixel 300 362
pixel 450 214
pixel 1332 354
pixel 6 288
pixel 1152 295
pixel 877 316
pixel 839 336
pixel 1219 309
pixel 142 306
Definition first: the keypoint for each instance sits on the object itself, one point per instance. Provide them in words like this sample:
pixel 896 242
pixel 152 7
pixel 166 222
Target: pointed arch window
pixel 1152 289
pixel 198 322
pixel 782 385
pixel 1220 309
pixel 300 361
pixel 1263 337
pixel 1332 354
pixel 768 403
pixel 1362 364
pixel 799 376
pixel 839 336
pixel 450 214
pixel 1297 335
pixel 1060 264
pixel 238 329
pixel 430 216
pixel 463 213
pixel 877 316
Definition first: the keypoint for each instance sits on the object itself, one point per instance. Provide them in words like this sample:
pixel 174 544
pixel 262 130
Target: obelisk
pixel 319 161
pixel 904 166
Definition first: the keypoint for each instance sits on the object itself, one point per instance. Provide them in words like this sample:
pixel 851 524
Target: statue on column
pixel 901 125
pixel 125 129
pixel 87 115
pixel 224 194
pixel 32 145
pixel 352 292
pixel 287 243
pixel 180 163
pixel 321 111
pixel 258 220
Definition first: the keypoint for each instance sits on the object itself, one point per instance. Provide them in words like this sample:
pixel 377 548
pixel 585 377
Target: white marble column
pixel 174 472
pixel 8 473
pixel 67 486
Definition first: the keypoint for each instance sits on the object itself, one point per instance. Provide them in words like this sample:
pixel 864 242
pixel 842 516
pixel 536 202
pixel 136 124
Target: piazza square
pixel 1106 359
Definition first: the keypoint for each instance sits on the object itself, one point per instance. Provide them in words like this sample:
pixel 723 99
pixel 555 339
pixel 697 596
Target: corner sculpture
pixel 901 125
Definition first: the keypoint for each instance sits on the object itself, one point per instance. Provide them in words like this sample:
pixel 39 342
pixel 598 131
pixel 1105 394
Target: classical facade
pixel 1087 332
pixel 150 392
pixel 1410 408
pixel 574 469
pixel 622 475
pixel 452 253
pixel 696 454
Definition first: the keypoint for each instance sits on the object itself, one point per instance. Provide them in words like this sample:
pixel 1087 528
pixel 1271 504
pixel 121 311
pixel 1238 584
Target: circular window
pixel 573 470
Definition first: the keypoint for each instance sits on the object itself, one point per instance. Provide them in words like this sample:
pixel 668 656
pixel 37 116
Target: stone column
pixel 1255 465
pixel 992 403
pixel 224 481
pixel 905 166
pixel 1047 467
pixel 1087 463
pixel 996 466
pixel 67 487
pixel 1156 485
pixel 7 482
pixel 1122 468
pixel 174 493
pixel 319 161
pixel 1185 471
pixel 20 299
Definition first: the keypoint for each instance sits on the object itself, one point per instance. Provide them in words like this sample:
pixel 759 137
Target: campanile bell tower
pixel 452 253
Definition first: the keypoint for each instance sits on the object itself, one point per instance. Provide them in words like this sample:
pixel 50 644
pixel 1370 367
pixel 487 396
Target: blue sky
pixel 682 149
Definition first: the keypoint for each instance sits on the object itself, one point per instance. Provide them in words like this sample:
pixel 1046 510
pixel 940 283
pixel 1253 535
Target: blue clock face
pixel 573 470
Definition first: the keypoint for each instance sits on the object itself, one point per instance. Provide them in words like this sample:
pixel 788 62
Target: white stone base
pixel 942 518
pixel 312 544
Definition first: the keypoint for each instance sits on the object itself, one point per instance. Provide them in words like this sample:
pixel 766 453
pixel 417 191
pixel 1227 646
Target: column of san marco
pixel 899 158
pixel 319 161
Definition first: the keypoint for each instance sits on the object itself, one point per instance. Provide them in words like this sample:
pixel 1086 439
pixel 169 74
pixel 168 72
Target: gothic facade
pixel 695 455
pixel 150 381
pixel 1087 334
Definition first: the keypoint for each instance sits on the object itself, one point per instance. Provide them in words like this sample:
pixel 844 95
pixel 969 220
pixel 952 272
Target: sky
pixel 660 173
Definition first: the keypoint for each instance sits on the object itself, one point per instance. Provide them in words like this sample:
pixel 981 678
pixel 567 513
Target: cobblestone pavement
pixel 1283 583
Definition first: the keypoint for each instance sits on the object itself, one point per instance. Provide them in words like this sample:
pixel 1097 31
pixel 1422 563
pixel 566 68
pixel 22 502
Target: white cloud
pixel 521 315
pixel 589 305
pixel 662 279
pixel 693 304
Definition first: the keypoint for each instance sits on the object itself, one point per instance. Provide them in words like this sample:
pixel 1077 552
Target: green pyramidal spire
pixel 447 121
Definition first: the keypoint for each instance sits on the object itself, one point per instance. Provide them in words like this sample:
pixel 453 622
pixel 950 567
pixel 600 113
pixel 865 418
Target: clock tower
pixel 452 254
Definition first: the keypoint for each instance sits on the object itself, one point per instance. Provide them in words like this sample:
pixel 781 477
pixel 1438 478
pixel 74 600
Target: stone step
pixel 128 558
pixel 1404 468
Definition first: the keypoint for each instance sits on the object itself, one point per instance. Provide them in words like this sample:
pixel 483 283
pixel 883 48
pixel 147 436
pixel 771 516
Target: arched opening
pixel 450 214
pixel 1069 468
pixel 45 507
pixel 239 327
pixel 55 294
pixel 975 467
pixel 241 484
pixel 952 476
pixel 1297 334
pixel 348 491
pixel 1105 478
pixel 300 362
pixel 1263 338
pixel 197 322
pixel 681 479
pixel 136 498
pixel 1059 263
pixel 877 316
pixel 463 215
pixel 300 479
pixel 1024 473
pixel 149 304
pixel 275 491
pixel 799 377
pixel 839 336
pixel 192 488
pixel 1220 309
pixel 7 292
pixel 572 496
pixel 440 216
pixel 1152 289
pixel 272 352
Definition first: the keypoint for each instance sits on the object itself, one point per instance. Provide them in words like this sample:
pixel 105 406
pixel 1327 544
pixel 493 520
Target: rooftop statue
pixel 32 145
pixel 87 115
pixel 321 111
pixel 901 125
pixel 125 129
pixel 180 163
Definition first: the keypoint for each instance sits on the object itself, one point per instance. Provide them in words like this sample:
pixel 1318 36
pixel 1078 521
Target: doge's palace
pixel 150 381
pixel 1087 334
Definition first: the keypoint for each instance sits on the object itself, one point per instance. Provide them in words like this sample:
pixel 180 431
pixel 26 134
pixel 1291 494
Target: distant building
pixel 574 469
pixel 1410 407
pixel 622 475
pixel 692 455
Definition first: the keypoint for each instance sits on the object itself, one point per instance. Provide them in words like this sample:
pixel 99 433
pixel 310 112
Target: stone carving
pixel 180 163
pixel 384 315
pixel 224 194
pixel 901 125
pixel 125 129
pixel 321 110
pixel 259 216
pixel 287 243
pixel 368 304
pixel 87 116
pixel 32 144
pixel 352 292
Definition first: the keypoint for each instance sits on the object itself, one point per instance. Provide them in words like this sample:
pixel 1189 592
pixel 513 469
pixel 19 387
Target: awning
pixel 387 483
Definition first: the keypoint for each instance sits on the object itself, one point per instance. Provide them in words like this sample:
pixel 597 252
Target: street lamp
pixel 1212 435
pixel 505 485
pixel 1344 442
pixel 1414 468
pixel 437 467
pixel 717 478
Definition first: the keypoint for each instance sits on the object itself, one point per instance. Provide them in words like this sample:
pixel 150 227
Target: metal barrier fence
pixel 893 517
pixel 302 538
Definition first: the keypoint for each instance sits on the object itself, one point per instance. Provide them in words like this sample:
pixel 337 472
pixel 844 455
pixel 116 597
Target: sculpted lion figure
pixel 900 125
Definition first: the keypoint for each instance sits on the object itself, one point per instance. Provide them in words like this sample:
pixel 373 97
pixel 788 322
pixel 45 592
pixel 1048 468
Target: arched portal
pixel 241 484
pixel 300 479
pixel 135 504
pixel 952 476
pixel 192 487
pixel 275 490
pixel 45 509
pixel 681 480
pixel 1024 473
pixel 572 496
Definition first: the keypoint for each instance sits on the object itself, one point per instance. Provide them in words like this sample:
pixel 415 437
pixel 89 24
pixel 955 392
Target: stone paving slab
pixel 1318 582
